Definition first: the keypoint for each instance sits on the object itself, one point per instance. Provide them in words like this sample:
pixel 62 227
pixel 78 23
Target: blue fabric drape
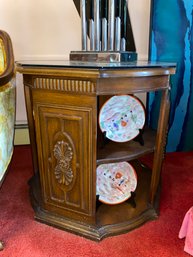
pixel 171 39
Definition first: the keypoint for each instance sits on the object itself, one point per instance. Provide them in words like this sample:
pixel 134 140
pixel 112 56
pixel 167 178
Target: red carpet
pixel 25 237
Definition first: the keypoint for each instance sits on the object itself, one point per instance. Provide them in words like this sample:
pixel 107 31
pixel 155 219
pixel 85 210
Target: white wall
pixel 140 17
pixel 47 29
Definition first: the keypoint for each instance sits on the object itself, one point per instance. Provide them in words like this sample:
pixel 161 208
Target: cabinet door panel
pixel 66 144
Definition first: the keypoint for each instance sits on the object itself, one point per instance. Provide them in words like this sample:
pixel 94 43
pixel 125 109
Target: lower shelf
pixel 110 219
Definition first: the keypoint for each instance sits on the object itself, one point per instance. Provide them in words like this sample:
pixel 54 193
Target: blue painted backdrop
pixel 171 39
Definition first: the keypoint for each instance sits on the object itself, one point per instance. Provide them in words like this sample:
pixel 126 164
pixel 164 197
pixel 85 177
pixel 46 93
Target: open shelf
pixel 114 152
pixel 111 214
pixel 119 218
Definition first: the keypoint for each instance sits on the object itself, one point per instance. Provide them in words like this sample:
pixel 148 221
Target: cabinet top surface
pixel 93 65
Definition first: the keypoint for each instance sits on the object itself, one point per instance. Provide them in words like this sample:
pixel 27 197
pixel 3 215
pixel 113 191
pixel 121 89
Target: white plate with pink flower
pixel 115 182
pixel 122 117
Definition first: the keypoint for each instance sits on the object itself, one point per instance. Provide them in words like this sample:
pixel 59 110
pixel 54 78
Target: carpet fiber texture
pixel 25 237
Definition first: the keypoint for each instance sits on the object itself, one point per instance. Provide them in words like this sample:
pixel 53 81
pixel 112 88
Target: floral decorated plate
pixel 122 117
pixel 115 182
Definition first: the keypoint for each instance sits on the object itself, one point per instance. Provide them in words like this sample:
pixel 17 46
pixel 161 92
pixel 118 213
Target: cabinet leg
pixel 160 144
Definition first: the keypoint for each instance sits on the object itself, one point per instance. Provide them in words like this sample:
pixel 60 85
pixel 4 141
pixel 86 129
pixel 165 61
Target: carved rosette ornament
pixel 63 172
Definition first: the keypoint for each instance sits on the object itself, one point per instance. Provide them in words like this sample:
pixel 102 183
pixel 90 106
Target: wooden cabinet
pixel 63 100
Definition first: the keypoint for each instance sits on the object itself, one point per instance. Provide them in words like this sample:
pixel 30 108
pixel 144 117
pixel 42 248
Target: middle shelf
pixel 117 152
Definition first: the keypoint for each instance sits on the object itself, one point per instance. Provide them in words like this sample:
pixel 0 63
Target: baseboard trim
pixel 21 134
pixel 21 126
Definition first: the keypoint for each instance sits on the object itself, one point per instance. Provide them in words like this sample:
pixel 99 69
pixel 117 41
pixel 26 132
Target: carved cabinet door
pixel 66 135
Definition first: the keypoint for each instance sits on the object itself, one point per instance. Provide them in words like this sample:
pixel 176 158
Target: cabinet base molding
pixel 94 233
